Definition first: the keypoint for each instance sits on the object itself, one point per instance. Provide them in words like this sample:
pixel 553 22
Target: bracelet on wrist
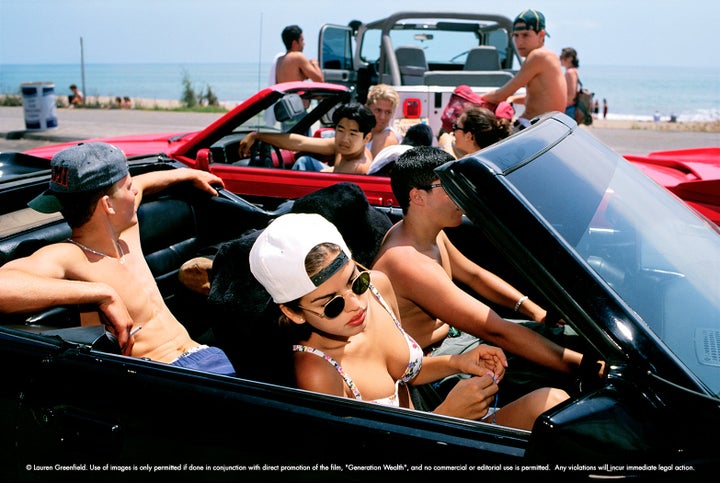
pixel 520 302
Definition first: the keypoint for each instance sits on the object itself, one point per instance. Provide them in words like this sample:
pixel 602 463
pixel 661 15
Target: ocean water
pixel 688 93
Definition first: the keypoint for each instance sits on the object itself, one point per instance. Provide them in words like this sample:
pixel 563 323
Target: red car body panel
pixel 692 174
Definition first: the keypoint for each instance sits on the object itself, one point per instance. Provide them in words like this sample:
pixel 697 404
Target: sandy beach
pixel 641 137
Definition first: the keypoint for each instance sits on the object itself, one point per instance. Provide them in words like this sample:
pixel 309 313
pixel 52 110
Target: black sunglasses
pixel 430 187
pixel 336 305
pixel 458 128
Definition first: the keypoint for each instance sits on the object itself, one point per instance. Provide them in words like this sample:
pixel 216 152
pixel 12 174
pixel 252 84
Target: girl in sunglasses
pixel 349 340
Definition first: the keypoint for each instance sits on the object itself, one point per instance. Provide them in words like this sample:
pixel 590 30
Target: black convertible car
pixel 633 271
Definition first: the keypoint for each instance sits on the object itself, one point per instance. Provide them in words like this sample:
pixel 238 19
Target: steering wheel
pixel 261 155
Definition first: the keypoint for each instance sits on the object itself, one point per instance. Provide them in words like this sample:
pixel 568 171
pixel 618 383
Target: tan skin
pixel 348 146
pixel 365 341
pixel 459 143
pixel 383 110
pixel 125 293
pixel 540 74
pixel 422 263
pixel 295 67
pixel 77 96
pixel 571 79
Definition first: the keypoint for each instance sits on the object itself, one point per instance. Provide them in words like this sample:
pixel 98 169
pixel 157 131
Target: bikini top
pixel 412 370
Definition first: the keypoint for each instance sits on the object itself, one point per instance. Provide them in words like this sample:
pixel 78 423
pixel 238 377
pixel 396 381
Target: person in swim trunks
pixel 349 341
pixel 102 262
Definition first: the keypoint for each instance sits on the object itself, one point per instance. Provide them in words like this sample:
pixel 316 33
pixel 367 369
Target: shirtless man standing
pixel 353 126
pixel 102 263
pixel 541 74
pixel 294 66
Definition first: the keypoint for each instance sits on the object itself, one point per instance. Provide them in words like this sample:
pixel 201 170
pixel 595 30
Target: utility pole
pixel 82 69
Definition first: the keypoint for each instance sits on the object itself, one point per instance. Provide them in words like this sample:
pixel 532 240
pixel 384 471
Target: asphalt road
pixel 77 124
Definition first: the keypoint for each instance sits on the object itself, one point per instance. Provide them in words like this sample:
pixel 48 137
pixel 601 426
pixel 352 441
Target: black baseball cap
pixel 83 168
pixel 530 20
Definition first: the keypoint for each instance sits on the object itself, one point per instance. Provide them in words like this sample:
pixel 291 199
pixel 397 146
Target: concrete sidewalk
pixel 76 124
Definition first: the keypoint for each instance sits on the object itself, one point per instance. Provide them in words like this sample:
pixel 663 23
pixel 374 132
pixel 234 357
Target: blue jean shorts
pixel 208 359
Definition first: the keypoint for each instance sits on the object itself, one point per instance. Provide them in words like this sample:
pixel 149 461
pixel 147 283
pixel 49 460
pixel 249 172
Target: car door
pixel 336 55
pixel 66 403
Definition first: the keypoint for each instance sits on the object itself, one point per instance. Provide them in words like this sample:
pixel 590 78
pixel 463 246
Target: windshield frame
pixel 655 260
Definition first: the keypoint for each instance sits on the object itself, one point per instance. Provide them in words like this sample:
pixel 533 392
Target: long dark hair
pixel 570 53
pixel 485 126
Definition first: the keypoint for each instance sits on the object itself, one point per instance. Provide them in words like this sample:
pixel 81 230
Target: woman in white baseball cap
pixel 348 340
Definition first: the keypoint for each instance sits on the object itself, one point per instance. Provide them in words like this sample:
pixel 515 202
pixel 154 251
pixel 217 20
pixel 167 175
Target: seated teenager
pixel 102 262
pixel 348 339
pixel 353 123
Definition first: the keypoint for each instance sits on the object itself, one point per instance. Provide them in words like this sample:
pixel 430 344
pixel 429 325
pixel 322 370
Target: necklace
pixel 88 249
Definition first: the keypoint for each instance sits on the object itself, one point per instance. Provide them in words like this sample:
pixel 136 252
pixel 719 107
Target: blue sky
pixel 604 32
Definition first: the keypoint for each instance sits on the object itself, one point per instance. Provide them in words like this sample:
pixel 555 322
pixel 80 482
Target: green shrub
pixel 10 100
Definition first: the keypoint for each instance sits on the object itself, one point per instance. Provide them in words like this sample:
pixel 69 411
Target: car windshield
pixel 443 42
pixel 656 255
pixel 294 107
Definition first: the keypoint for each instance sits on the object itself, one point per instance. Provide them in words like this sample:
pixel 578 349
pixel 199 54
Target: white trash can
pixel 38 100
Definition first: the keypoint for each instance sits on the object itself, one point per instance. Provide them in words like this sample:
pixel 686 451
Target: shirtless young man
pixel 294 66
pixel 540 74
pixel 353 124
pixel 423 264
pixel 102 263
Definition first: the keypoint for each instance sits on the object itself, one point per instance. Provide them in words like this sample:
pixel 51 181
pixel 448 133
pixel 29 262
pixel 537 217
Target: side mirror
pixel 289 107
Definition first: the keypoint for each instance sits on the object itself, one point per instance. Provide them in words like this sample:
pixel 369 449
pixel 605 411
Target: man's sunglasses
pixel 430 187
pixel 336 305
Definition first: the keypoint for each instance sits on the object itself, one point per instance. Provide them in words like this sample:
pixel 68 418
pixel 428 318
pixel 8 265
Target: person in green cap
pixel 541 73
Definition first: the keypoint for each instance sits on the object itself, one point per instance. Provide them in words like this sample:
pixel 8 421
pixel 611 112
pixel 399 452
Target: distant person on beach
pixel 76 98
pixel 570 61
pixel 596 109
pixel 293 65
pixel 541 74
pixel 605 108
pixel 346 151
pixel 126 103
pixel 382 101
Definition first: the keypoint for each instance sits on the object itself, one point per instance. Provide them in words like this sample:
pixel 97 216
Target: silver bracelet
pixel 520 302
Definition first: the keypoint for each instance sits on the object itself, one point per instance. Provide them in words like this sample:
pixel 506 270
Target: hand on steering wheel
pixel 246 144
pixel 261 155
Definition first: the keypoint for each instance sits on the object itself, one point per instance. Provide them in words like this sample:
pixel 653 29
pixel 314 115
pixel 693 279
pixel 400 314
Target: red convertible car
pixel 267 176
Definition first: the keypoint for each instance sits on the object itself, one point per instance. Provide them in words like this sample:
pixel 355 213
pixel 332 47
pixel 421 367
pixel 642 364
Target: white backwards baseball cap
pixel 277 258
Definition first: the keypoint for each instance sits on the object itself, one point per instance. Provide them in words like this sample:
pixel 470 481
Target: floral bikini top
pixel 413 368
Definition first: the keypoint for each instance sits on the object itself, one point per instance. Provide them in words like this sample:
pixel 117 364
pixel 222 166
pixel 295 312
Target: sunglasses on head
pixel 336 305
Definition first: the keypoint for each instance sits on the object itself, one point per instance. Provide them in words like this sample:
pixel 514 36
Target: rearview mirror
pixel 289 107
